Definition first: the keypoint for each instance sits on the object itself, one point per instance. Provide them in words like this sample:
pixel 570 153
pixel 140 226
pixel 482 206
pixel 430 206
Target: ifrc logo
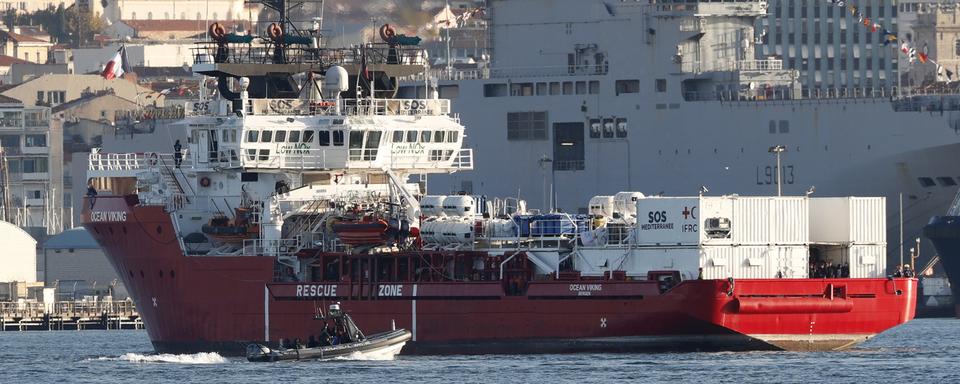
pixel 690 212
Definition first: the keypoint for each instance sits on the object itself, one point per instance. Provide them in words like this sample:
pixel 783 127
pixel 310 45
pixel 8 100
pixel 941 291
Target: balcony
pixel 35 150
pixel 27 176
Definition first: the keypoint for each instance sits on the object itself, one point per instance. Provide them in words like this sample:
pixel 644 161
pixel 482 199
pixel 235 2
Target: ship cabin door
pixel 202 139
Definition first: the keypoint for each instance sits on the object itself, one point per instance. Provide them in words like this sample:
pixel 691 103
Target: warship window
pixel 494 90
pixel 773 126
pixel 438 137
pixel 541 89
pixel 627 86
pixel 308 136
pixel 784 126
pixel 264 154
pixel 412 136
pixel 452 136
pixel 554 88
pixel 338 138
pixel 281 136
pixel 926 182
pixel 266 137
pixel 567 88
pixel 425 136
pixel 946 181
pixel 527 126
pixel 594 87
pixel 323 138
pixel 397 136
pixel 661 85
pixel 581 87
pixel 294 137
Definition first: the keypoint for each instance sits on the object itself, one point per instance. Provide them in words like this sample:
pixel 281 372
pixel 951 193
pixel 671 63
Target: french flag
pixel 117 66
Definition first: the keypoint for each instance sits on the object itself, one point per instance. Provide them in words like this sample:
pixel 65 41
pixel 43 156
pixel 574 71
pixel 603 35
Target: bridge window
pixel 294 137
pixel 425 136
pixel 946 181
pixel 438 137
pixel 281 136
pixel 371 145
pixel 266 137
pixel 397 136
pixel 251 154
pixel 452 137
pixel 411 136
pixel 627 86
pixel 264 154
pixel 324 138
pixel 926 182
pixel 307 136
pixel 338 138
pixel 252 136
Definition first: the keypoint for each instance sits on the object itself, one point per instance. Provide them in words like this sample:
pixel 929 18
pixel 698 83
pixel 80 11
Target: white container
pixel 432 205
pixel 867 261
pixel 430 232
pixel 858 220
pixel 456 231
pixel 460 205
pixel 667 221
pixel 625 204
pixel 769 220
pixel 601 206
pixel 754 262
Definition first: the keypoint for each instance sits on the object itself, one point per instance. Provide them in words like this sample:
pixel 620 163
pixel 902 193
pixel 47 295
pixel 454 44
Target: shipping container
pixel 637 262
pixel 663 221
pixel 722 220
pixel 769 220
pixel 754 262
pixel 867 260
pixel 857 220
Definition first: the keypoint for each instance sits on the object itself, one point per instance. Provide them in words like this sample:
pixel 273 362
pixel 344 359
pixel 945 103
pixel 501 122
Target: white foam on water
pixel 382 354
pixel 196 358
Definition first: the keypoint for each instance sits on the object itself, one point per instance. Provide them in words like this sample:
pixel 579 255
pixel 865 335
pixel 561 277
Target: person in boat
pixel 297 344
pixel 898 272
pixel 312 342
pixel 325 335
pixel 907 272
pixel 91 193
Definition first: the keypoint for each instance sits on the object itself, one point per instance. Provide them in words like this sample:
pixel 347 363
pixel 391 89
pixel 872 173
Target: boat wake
pixel 382 354
pixel 196 358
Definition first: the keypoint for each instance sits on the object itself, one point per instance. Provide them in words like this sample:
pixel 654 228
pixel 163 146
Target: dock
pixel 68 315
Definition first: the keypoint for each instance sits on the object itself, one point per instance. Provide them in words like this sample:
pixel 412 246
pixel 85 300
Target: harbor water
pixel 924 350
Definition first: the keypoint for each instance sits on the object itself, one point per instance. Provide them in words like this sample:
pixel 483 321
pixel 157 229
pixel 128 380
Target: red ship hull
pixel 221 303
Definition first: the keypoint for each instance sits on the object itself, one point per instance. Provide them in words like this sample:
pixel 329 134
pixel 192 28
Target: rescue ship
pixel 304 184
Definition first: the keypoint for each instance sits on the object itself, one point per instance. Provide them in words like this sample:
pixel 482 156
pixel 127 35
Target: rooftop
pixel 72 238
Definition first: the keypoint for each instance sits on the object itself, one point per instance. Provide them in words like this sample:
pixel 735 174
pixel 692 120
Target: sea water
pixel 924 350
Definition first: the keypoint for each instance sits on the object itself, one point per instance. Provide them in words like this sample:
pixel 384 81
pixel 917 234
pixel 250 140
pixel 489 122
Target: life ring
pixel 217 31
pixel 154 158
pixel 204 181
pixel 275 31
pixel 387 33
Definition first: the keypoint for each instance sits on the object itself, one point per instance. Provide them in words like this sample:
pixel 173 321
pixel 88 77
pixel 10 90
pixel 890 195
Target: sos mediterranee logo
pixel 656 220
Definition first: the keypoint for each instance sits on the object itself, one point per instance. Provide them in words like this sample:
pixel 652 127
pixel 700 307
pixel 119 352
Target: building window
pixel 527 126
pixel 567 88
pixel 35 140
pixel 627 86
pixel 10 142
pixel 35 165
pixel 661 85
